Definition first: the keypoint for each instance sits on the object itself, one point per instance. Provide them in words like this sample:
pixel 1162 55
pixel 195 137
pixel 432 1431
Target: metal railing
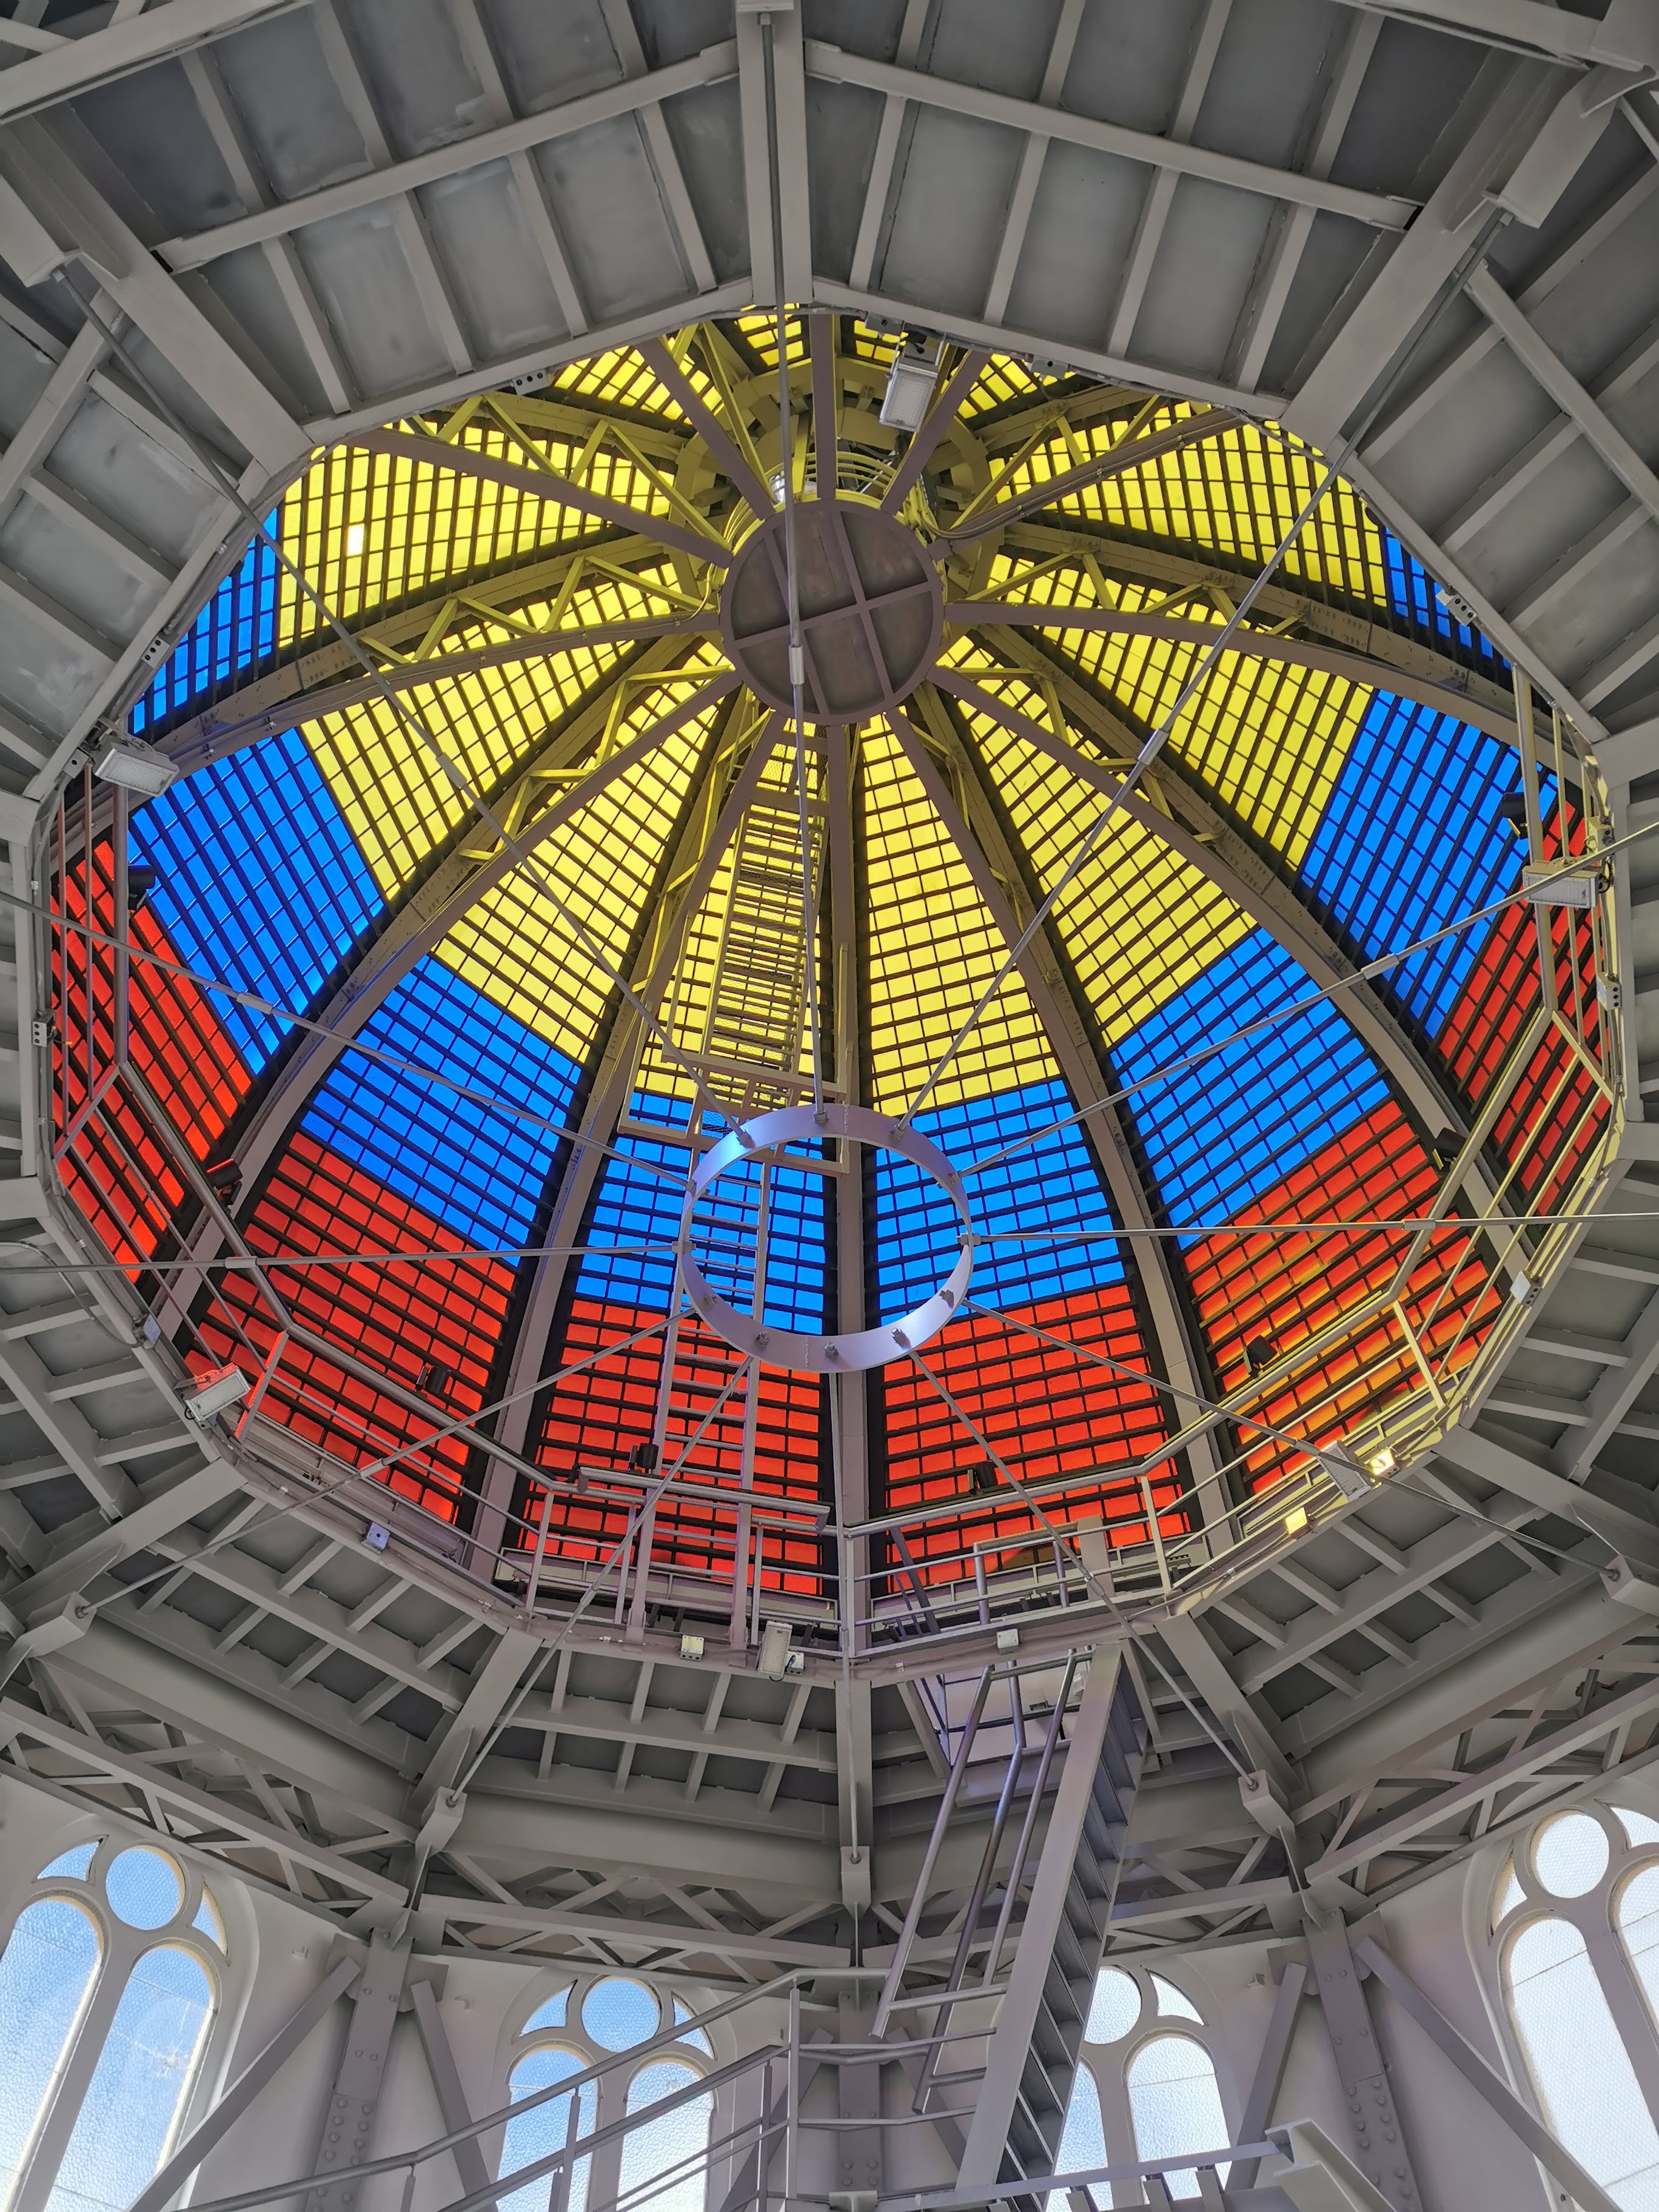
pixel 1382 1381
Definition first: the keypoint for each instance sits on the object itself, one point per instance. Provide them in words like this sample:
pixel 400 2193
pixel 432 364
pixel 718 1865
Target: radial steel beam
pixel 1067 1040
pixel 1247 644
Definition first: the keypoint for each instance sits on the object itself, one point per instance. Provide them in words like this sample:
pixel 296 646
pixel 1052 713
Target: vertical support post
pixel 850 1393
pixel 349 2127
pixel 1378 2137
pixel 1016 2019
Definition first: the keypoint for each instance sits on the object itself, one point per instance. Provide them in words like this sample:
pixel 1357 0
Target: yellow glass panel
pixel 542 943
pixel 933 949
pixel 1233 495
pixel 385 766
pixel 1138 920
pixel 1266 737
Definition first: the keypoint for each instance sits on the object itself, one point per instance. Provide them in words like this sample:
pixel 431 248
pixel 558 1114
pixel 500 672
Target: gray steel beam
pixel 1551 2154
pixel 1067 1039
pixel 1379 2138
pixel 349 2123
pixel 1380 210
pixel 69 65
pixel 582 113
pixel 231 2103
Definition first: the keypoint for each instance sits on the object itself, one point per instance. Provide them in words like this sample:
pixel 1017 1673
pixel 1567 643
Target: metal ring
pixel 850 1351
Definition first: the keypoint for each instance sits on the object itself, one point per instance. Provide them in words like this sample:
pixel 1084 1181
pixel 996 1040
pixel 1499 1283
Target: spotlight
pixel 910 383
pixel 135 766
pixel 219 1388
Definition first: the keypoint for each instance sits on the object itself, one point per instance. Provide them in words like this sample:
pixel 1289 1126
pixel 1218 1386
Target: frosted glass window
pixel 1510 1894
pixel 550 2014
pixel 45 1978
pixel 1637 1826
pixel 1114 2008
pixel 697 2038
pixel 70 1865
pixel 1570 1854
pixel 207 1920
pixel 545 2128
pixel 669 2150
pixel 144 1888
pixel 1580 2069
pixel 1174 2003
pixel 138 2090
pixel 1176 2105
pixel 1082 2139
pixel 618 2014
pixel 1637 1917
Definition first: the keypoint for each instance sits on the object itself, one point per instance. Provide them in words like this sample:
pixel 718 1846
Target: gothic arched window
pixel 592 2022
pixel 1575 1942
pixel 1145 2084
pixel 108 1984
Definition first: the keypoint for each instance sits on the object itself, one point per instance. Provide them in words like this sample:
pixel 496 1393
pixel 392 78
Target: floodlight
pixel 219 1388
pixel 775 1655
pixel 135 766
pixel 910 383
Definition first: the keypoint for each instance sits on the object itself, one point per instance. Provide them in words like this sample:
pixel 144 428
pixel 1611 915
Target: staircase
pixel 996 2077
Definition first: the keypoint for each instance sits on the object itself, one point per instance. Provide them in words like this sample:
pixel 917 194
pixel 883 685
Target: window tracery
pixel 595 2022
pixel 1146 2085
pixel 110 1980
pixel 1573 1949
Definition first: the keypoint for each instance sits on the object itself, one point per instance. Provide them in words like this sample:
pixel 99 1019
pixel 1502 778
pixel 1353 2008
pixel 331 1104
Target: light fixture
pixel 1296 1520
pixel 1522 1289
pixel 1548 887
pixel 1381 1461
pixel 1348 1476
pixel 135 766
pixel 219 1388
pixel 774 1653
pixel 910 383
pixel 690 1646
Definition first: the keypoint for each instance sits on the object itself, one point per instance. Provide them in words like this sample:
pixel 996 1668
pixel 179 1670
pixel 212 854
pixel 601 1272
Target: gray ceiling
pixel 1424 236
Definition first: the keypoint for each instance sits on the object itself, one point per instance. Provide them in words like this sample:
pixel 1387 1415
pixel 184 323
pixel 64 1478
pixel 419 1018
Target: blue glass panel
pixel 259 880
pixel 235 630
pixel 1050 1184
pixel 1412 592
pixel 1221 1131
pixel 638 1207
pixel 76 1861
pixel 479 1169
pixel 1411 839
pixel 545 2128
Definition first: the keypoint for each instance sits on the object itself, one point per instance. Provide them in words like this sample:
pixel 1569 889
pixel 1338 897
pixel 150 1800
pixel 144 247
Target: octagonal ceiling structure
pixel 543 248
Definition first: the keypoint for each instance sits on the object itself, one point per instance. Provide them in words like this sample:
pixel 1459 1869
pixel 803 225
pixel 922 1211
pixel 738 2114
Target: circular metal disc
pixel 852 1349
pixel 872 603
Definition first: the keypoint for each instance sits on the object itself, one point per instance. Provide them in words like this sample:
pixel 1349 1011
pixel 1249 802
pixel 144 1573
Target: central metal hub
pixel 871 607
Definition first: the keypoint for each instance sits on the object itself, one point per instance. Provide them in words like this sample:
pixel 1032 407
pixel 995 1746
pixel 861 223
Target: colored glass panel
pixel 430 1324
pixel 1047 1227
pixel 474 1164
pixel 257 881
pixel 1413 594
pixel 1137 921
pixel 1413 838
pixel 546 943
pixel 933 952
pixel 1221 1115
pixel 1314 1249
pixel 235 630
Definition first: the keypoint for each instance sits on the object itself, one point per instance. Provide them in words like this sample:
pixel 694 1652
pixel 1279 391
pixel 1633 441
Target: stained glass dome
pixel 519 851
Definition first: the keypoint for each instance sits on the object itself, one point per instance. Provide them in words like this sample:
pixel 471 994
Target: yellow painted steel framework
pixel 534 581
